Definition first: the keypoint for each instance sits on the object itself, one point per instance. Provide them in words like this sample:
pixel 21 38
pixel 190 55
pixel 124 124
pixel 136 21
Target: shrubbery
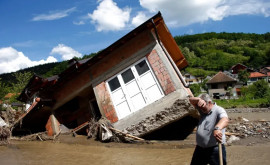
pixel 253 96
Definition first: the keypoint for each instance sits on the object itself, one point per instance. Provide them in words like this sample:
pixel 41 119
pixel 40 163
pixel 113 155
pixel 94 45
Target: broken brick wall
pixel 105 102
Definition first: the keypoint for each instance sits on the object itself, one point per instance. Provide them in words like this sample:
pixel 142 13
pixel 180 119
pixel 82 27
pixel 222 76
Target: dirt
pixel 80 150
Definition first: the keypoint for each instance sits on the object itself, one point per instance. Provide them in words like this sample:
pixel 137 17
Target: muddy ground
pixel 69 150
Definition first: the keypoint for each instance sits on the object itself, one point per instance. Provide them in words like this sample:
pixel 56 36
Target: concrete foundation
pixel 146 121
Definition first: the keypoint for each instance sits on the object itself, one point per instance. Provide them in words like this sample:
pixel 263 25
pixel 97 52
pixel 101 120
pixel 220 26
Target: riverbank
pixel 82 151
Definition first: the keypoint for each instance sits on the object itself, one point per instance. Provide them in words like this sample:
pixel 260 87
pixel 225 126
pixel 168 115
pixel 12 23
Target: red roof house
pixel 255 76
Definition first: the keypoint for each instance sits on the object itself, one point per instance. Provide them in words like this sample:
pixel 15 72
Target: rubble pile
pixel 247 110
pixel 178 110
pixel 244 128
pixel 103 131
pixel 4 134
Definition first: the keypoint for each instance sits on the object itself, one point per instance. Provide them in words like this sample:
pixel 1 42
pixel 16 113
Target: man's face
pixel 205 108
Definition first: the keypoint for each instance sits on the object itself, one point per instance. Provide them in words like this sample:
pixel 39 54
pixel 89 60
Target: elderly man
pixel 210 131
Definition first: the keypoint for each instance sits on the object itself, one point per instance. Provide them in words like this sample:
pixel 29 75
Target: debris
pixel 245 128
pixel 2 122
pixel 64 129
pixel 42 136
pixel 4 134
pixel 232 139
pixel 128 135
pixel 103 131
pixel 106 133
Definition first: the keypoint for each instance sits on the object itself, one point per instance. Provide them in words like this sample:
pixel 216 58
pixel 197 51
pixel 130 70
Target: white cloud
pixel 186 12
pixel 78 23
pixel 139 19
pixel 109 17
pixel 11 60
pixel 53 15
pixel 66 52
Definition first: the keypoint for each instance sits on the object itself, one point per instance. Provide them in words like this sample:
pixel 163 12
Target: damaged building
pixel 135 83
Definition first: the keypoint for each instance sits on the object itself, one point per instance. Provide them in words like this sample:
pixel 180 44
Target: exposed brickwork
pixel 105 102
pixel 161 72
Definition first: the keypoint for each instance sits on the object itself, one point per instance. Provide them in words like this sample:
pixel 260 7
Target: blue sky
pixel 34 32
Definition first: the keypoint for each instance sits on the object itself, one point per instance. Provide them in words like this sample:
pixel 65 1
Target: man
pixel 210 131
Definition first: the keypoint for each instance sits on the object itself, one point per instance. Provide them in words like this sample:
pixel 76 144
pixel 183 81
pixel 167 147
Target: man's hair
pixel 205 97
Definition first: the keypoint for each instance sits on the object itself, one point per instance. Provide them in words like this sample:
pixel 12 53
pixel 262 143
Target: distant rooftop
pixel 220 77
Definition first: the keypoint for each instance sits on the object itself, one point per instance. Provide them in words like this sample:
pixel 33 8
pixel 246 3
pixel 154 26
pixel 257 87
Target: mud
pixel 81 151
pixel 96 153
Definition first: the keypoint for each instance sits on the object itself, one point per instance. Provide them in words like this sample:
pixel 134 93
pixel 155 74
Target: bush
pixel 259 89
pixel 195 89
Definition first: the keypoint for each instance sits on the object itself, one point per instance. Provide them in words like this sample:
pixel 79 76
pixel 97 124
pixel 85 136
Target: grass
pixel 243 103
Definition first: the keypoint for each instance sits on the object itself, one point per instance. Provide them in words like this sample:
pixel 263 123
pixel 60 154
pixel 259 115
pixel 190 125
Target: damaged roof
pixel 155 24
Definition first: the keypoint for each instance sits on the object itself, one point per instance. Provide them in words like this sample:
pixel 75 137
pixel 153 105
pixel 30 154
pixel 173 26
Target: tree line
pixel 220 51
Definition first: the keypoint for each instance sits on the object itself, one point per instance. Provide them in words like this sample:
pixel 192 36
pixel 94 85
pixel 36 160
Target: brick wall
pixel 161 72
pixel 105 102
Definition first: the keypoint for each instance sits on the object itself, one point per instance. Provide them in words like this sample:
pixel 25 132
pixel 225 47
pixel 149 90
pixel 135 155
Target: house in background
pixel 133 82
pixel 190 79
pixel 266 70
pixel 255 76
pixel 221 85
pixel 240 67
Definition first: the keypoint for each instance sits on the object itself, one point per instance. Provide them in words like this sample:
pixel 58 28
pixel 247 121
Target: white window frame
pixel 140 85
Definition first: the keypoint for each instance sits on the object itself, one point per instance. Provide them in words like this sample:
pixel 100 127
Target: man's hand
pixel 201 103
pixel 218 135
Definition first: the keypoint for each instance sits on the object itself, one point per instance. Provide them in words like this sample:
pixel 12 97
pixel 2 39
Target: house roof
pixel 238 65
pixel 220 77
pixel 256 74
pixel 155 24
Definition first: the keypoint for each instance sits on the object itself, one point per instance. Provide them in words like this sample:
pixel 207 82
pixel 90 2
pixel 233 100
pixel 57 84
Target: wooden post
pixel 220 154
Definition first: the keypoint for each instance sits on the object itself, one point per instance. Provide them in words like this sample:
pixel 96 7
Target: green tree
pixel 4 89
pixel 243 76
pixel 195 89
pixel 259 89
pixel 21 81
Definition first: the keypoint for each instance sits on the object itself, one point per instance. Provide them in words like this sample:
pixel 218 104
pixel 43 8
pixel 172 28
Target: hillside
pixel 209 53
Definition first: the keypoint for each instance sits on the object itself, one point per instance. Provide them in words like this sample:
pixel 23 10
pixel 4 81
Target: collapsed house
pixel 135 83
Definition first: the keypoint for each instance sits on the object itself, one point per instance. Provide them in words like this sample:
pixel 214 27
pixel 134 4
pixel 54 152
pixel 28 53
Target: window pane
pixel 142 67
pixel 127 76
pixel 114 84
